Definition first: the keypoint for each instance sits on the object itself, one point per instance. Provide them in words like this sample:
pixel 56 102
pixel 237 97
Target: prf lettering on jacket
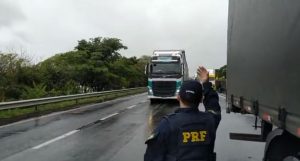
pixel 194 136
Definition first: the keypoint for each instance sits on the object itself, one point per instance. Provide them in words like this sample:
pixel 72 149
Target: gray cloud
pixel 9 13
pixel 52 26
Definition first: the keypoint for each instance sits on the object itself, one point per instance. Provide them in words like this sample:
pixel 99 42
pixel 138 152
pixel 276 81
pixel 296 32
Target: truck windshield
pixel 166 68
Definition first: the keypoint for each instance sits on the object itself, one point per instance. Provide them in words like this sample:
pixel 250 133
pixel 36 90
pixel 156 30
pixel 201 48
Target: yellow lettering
pixel 186 136
pixel 202 135
pixel 195 136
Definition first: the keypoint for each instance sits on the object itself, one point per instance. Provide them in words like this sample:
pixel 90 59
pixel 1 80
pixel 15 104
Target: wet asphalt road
pixel 112 131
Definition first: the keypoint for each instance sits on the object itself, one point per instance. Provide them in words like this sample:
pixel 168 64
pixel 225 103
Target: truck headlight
pixel 150 91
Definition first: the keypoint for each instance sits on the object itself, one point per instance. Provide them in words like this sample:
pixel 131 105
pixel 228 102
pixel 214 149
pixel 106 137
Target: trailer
pixel 263 72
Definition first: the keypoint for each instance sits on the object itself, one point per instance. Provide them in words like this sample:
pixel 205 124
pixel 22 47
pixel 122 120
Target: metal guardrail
pixel 48 100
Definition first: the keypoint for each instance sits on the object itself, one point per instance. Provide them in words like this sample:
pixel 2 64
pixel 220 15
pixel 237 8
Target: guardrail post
pixel 36 108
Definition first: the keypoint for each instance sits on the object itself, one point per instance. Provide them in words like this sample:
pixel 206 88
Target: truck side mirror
pixel 182 71
pixel 147 69
pixel 151 67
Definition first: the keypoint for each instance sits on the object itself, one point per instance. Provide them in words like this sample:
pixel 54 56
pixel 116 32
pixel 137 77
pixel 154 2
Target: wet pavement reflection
pixel 157 111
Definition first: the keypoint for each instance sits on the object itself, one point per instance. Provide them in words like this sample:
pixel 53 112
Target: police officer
pixel 188 134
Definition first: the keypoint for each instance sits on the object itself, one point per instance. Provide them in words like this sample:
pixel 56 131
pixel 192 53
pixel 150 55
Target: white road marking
pixel 55 139
pixel 111 115
pixel 130 107
pixel 70 133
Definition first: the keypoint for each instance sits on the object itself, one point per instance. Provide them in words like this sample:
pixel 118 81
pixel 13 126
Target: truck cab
pixel 166 71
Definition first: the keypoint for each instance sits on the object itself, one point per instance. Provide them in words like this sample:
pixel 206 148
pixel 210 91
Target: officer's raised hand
pixel 211 98
pixel 202 74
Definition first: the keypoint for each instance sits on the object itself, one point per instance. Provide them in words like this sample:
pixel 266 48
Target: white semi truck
pixel 166 71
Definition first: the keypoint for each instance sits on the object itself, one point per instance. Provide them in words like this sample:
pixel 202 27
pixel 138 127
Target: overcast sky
pixel 42 28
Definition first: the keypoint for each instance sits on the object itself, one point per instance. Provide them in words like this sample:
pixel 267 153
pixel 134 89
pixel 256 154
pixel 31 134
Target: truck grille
pixel 164 88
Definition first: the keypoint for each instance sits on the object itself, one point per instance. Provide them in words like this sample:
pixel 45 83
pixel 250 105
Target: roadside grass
pixel 22 113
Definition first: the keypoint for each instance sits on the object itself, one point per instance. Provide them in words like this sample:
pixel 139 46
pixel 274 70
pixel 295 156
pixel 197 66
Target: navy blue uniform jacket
pixel 161 144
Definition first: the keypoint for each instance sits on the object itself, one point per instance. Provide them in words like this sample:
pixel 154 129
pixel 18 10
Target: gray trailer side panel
pixel 264 55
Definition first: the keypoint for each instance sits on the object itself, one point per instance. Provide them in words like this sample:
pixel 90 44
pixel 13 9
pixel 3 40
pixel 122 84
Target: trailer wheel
pixel 235 109
pixel 284 148
pixel 291 158
pixel 266 128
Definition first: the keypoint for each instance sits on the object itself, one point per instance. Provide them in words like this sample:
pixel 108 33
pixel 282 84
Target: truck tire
pixel 153 101
pixel 266 128
pixel 284 148
pixel 235 109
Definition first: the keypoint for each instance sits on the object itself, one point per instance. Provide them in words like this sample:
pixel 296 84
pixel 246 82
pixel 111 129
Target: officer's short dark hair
pixel 191 93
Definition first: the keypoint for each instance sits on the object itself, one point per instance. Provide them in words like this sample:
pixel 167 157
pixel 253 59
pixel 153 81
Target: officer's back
pixel 192 135
pixel 186 135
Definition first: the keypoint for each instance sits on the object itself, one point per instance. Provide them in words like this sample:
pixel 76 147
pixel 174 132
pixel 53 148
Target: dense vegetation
pixel 93 65
pixel 220 82
pixel 221 73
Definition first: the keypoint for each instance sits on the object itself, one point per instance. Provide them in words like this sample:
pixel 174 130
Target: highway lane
pixel 20 137
pixel 112 131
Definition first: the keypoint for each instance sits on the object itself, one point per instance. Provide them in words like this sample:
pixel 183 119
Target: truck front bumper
pixel 155 97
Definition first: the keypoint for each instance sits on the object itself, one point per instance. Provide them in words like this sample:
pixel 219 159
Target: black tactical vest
pixel 192 136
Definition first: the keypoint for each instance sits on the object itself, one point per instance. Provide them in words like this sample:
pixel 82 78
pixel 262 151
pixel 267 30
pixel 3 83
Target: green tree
pixel 88 65
pixel 94 65
pixel 105 49
pixel 11 66
pixel 221 72
pixel 37 91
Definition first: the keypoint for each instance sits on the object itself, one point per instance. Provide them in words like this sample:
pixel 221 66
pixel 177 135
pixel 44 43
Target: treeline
pixel 94 65
pixel 220 82
pixel 221 73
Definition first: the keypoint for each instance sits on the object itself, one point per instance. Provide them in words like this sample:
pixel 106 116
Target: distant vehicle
pixel 166 71
pixel 212 76
pixel 220 86
pixel 263 73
